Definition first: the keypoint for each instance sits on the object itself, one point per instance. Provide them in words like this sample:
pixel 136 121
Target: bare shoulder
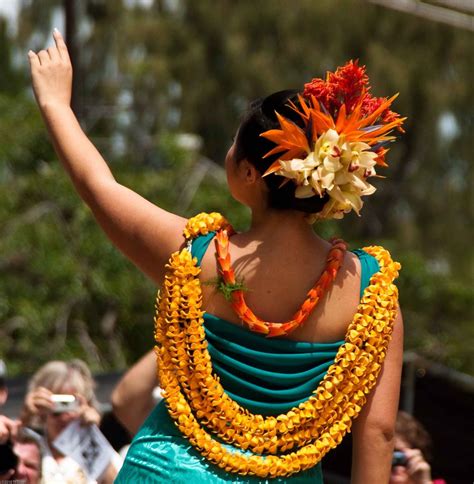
pixel 340 303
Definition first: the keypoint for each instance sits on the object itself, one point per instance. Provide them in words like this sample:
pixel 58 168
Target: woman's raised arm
pixel 145 233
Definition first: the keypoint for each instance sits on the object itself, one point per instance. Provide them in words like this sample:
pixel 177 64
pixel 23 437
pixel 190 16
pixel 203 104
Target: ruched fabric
pixel 265 375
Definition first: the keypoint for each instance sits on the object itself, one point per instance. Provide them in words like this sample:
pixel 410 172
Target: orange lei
pixel 302 436
pixel 253 322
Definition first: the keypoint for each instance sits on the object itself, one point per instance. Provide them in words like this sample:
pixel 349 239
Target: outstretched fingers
pixel 51 72
pixel 56 53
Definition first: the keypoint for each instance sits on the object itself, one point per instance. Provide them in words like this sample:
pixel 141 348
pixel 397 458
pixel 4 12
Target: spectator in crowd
pixel 63 378
pixel 412 453
pixel 20 453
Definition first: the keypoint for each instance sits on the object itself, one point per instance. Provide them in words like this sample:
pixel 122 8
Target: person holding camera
pixel 412 453
pixel 60 393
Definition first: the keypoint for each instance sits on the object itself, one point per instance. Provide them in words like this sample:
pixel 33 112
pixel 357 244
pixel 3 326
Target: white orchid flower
pixel 335 167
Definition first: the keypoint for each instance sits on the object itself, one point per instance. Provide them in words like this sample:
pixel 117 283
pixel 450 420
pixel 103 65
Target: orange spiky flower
pixel 342 137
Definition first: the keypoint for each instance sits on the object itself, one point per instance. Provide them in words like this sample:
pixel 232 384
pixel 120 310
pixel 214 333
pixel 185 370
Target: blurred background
pixel 159 87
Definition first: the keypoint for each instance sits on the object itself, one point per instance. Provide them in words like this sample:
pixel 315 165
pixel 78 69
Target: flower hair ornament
pixel 344 136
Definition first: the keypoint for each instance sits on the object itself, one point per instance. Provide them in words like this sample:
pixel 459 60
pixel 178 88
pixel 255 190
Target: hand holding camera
pixel 88 414
pixel 42 402
pixel 37 403
pixel 417 469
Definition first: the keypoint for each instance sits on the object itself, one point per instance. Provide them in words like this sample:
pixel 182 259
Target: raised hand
pixel 51 73
pixel 37 403
pixel 417 468
pixel 8 429
pixel 87 414
pixel 142 231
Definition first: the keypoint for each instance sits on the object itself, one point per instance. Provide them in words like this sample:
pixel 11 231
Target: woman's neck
pixel 282 224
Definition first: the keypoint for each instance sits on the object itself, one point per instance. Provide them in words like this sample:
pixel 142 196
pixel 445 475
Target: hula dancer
pixel 300 340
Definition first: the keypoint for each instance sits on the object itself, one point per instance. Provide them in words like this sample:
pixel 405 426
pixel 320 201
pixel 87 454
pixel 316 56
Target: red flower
pixel 371 104
pixel 347 86
pixel 323 92
pixel 351 83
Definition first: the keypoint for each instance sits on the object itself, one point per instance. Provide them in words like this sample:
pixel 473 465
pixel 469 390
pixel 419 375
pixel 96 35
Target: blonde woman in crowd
pixel 40 411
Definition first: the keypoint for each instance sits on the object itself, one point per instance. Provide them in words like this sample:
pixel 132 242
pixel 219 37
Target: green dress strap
pixel 200 245
pixel 368 267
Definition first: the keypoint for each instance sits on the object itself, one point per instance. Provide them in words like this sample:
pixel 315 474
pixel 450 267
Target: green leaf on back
pixel 225 288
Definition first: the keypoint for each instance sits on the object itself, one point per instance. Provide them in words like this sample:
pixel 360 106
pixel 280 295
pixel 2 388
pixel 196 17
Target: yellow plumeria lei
pixel 198 403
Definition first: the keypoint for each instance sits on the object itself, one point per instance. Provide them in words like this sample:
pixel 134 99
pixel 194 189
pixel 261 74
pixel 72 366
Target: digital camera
pixel 64 403
pixel 399 459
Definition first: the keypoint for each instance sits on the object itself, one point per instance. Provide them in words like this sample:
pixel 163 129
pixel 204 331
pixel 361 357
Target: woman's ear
pixel 248 172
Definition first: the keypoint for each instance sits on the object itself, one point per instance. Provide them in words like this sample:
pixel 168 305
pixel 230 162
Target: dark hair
pixel 411 430
pixel 249 145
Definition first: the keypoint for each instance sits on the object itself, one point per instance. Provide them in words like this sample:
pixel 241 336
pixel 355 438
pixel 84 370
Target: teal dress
pixel 265 375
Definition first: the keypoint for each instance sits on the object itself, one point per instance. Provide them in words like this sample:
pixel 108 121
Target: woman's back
pixel 278 269
pixel 269 376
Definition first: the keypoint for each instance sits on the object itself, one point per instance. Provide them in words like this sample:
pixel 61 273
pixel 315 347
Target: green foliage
pixel 227 288
pixel 437 310
pixel 148 75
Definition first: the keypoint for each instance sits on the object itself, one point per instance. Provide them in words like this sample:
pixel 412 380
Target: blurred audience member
pixel 20 453
pixel 56 381
pixel 28 451
pixel 412 453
